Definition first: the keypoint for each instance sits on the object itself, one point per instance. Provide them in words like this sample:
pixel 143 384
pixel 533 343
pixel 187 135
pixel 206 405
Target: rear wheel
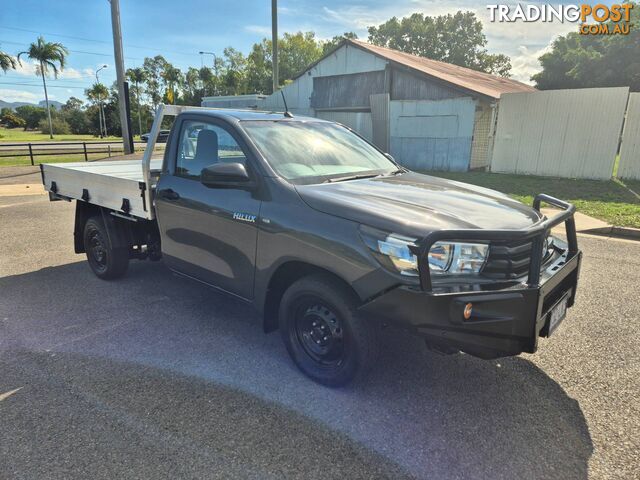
pixel 106 262
pixel 323 334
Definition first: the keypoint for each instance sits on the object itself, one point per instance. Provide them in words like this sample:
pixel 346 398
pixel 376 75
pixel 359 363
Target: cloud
pixel 25 67
pixel 523 42
pixel 71 73
pixel 18 96
pixel 259 29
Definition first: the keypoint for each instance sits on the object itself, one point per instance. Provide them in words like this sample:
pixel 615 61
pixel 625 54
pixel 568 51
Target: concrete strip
pixel 19 190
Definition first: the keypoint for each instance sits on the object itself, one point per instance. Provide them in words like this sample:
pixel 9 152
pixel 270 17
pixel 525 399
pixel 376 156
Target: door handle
pixel 169 194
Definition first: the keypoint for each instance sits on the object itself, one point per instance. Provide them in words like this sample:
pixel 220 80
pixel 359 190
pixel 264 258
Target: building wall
pixel 409 86
pixel 234 101
pixel 345 60
pixel 432 135
pixel 346 91
pixel 359 121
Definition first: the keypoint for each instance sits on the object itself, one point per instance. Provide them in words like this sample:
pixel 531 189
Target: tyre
pixel 323 334
pixel 106 262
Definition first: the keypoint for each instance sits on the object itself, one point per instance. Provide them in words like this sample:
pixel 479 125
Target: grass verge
pixel 17 135
pixel 610 201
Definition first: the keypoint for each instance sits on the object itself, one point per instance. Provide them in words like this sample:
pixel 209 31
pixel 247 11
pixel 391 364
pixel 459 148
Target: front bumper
pixel 504 321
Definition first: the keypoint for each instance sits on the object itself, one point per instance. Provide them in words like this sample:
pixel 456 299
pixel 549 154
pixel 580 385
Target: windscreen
pixel 309 152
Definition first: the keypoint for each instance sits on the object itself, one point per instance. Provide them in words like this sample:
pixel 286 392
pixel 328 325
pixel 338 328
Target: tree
pixel 47 54
pixel 7 62
pixel 582 61
pixel 31 115
pixel 296 52
pixel 173 78
pixel 137 76
pixel 97 93
pixel 456 39
pixel 335 41
pixel 11 120
pixel 153 69
pixel 74 115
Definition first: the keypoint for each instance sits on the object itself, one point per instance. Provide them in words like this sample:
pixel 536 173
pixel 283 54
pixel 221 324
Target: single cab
pixel 327 237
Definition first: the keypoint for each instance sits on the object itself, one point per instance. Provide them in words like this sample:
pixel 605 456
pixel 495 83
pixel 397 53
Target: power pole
pixel 127 140
pixel 274 43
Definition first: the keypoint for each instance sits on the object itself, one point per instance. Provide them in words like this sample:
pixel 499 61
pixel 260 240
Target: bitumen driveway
pixel 154 376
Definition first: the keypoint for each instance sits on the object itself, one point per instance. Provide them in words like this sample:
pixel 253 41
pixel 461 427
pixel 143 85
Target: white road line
pixel 6 395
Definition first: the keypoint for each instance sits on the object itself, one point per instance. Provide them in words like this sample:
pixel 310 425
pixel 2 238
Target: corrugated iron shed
pixel 471 80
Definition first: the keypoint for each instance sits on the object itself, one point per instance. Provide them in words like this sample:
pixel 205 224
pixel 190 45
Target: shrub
pixel 11 120
pixel 60 127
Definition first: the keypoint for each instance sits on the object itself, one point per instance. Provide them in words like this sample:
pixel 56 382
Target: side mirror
pixel 390 157
pixel 225 175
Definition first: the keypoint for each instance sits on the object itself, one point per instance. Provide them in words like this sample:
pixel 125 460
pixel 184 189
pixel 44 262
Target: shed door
pixel 432 135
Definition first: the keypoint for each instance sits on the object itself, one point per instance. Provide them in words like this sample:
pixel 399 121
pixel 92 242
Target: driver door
pixel 208 233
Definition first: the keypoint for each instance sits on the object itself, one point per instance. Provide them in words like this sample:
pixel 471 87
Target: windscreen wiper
pixel 353 177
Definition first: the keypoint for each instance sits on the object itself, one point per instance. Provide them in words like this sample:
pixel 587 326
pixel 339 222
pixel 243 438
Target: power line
pixel 128 45
pixel 48 86
pixel 77 51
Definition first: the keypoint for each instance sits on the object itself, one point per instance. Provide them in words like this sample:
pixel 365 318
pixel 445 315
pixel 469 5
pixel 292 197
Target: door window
pixel 203 144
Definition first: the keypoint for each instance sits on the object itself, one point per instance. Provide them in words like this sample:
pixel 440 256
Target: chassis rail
pixel 536 232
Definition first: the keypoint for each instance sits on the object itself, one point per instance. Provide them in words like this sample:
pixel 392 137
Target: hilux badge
pixel 244 217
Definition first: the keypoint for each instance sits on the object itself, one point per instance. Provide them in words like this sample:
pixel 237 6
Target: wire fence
pixel 52 149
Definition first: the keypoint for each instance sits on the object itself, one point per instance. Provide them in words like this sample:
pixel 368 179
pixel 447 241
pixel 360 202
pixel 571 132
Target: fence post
pixel 31 155
pixel 84 145
pixel 109 148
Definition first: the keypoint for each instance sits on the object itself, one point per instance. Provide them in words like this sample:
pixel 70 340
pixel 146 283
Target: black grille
pixel 510 260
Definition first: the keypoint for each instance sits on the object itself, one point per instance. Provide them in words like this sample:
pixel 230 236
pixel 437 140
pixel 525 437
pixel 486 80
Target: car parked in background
pixel 162 136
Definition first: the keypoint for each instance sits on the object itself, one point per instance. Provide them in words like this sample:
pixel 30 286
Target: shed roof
pixel 483 83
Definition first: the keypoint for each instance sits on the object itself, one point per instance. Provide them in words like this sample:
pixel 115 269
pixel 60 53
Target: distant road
pixel 92 145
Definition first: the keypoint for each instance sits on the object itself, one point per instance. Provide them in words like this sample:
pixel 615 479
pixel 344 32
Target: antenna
pixel 287 113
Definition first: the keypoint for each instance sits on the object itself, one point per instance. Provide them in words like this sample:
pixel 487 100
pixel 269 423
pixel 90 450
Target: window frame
pixel 173 150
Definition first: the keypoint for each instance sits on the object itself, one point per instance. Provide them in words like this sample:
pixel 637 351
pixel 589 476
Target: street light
pixel 215 69
pixel 101 117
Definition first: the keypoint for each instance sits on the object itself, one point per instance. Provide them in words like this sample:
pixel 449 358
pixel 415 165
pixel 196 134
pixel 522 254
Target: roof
pixel 479 82
pixel 249 114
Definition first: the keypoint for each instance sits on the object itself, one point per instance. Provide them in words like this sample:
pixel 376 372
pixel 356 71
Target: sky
pixel 180 29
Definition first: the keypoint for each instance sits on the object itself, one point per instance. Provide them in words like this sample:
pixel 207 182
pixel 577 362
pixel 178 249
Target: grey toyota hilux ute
pixel 328 238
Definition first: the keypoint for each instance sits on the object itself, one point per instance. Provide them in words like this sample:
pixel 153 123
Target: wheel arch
pixel 285 275
pixel 84 211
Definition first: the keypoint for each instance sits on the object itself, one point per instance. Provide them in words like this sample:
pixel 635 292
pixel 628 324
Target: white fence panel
pixel 630 148
pixel 560 133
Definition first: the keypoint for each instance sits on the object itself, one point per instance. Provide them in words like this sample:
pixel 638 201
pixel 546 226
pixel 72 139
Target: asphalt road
pixel 156 377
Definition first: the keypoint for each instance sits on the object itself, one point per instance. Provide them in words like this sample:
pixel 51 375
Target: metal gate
pixel 432 135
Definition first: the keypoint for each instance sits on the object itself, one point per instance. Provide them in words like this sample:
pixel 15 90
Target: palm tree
pixel 96 93
pixel 47 54
pixel 173 77
pixel 7 62
pixel 137 76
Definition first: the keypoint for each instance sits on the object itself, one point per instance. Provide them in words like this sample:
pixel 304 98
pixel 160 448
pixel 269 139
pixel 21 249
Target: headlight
pixel 457 258
pixel 394 252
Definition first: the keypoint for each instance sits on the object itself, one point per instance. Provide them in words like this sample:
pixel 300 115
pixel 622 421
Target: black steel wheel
pixel 319 330
pixel 323 334
pixel 106 262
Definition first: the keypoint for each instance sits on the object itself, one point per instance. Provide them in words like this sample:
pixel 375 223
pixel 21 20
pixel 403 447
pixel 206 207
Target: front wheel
pixel 323 334
pixel 106 262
